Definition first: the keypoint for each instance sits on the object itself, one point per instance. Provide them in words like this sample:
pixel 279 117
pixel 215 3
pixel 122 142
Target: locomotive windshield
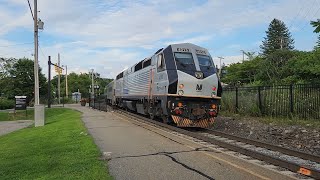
pixel 185 62
pixel 184 58
pixel 204 60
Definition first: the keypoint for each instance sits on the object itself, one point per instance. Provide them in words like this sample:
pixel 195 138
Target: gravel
pixel 306 139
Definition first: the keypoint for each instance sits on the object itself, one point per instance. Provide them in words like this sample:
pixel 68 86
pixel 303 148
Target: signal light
pixel 180 104
pixel 178 111
pixel 212 113
pixel 213 106
pixel 214 88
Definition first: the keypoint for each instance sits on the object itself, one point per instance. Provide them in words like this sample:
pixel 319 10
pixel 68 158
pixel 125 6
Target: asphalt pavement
pixel 137 152
pixel 10 126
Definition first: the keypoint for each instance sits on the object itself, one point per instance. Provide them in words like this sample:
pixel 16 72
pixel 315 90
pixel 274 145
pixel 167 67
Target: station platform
pixel 140 152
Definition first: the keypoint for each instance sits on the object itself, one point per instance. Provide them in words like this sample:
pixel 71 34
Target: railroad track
pixel 294 161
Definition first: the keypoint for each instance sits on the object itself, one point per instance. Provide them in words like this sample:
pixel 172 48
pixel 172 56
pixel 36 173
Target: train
pixel 178 84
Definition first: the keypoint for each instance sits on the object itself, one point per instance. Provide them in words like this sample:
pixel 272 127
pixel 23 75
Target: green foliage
pixel 19 79
pixel 316 25
pixel 306 67
pixel 242 73
pixel 59 150
pixel 274 67
pixel 317 46
pixel 79 82
pixel 279 67
pixel 6 103
pixel 278 37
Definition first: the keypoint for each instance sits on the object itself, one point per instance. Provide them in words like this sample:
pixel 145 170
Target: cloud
pixel 109 35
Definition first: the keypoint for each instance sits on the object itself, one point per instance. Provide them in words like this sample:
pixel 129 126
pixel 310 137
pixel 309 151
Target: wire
pixel 17 44
pixel 314 15
pixel 42 52
pixel 30 9
pixel 20 51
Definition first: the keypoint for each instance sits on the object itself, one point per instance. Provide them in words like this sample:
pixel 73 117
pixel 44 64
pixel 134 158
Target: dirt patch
pixel 292 137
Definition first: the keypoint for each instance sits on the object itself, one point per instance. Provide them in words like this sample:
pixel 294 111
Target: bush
pixel 6 104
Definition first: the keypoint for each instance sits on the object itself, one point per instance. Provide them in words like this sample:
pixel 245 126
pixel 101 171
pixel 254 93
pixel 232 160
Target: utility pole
pixel 59 78
pixel 92 84
pixel 66 81
pixel 49 82
pixel 220 66
pixel 36 66
pixel 38 109
pixel 242 55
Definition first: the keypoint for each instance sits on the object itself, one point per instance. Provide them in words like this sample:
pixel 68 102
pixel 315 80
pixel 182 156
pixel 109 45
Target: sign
pixel 21 103
pixel 199 87
pixel 201 52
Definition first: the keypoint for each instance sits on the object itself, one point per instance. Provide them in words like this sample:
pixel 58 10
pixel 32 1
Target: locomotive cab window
pixel 160 62
pixel 147 63
pixel 138 66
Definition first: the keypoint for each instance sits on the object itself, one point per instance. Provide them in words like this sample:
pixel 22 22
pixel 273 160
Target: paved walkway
pixel 10 126
pixel 139 153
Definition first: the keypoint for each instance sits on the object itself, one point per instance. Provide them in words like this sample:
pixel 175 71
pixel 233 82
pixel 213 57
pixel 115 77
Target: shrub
pixel 6 103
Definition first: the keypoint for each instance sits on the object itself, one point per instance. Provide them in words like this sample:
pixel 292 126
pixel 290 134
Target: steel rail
pixel 292 166
pixel 300 154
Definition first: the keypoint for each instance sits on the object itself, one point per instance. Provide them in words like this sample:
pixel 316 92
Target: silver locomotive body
pixel 178 83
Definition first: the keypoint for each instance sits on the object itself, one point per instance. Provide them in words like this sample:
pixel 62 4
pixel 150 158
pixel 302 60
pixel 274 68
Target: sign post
pixel 21 104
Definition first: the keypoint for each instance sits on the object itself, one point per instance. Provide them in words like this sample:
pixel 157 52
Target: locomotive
pixel 178 84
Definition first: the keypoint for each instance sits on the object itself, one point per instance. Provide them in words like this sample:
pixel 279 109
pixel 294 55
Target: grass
pixel 59 150
pixel 19 115
pixel 282 121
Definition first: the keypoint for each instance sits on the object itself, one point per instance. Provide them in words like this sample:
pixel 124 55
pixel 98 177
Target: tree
pixel 278 37
pixel 79 82
pixel 306 67
pixel 274 67
pixel 22 80
pixel 316 24
pixel 317 46
pixel 242 73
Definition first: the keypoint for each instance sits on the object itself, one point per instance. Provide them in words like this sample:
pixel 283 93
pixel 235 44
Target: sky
pixel 111 35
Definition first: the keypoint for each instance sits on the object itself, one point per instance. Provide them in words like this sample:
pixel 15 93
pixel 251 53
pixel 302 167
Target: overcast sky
pixel 110 35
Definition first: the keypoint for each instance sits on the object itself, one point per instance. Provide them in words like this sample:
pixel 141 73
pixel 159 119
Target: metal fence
pixel 302 100
pixel 98 102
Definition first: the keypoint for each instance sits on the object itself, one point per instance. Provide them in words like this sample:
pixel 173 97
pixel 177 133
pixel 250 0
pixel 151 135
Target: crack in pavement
pixel 167 154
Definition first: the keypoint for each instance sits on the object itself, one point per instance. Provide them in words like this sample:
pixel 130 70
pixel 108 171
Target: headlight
pixel 199 75
pixel 181 86
pixel 180 92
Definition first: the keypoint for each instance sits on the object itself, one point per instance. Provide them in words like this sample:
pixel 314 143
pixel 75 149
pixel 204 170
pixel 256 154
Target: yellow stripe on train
pixel 184 122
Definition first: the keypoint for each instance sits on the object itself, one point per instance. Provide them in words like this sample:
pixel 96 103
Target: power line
pixel 16 44
pixel 42 52
pixel 303 16
pixel 30 9
pixel 295 17
pixel 19 51
pixel 308 23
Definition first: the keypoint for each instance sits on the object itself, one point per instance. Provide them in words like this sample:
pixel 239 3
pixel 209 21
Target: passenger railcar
pixel 178 84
